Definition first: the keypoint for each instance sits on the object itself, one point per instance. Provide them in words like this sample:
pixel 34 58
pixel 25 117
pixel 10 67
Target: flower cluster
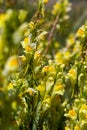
pixel 39 89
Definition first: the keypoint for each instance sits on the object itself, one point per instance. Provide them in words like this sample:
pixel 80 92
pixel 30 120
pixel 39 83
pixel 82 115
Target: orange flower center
pixel 13 62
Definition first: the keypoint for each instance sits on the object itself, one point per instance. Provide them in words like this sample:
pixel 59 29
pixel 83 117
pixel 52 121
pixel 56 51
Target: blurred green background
pixel 78 13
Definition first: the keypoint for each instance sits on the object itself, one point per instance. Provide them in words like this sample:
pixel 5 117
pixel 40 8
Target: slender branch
pixel 51 33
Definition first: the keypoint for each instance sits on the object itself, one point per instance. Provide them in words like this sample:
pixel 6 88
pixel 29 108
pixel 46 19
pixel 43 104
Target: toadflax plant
pixel 76 112
pixel 32 87
pixel 42 88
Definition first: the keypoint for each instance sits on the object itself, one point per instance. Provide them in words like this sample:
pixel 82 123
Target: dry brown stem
pixel 51 33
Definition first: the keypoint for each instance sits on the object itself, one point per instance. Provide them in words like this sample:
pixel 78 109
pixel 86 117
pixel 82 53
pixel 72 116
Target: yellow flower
pixel 10 86
pixel 2 20
pixel 37 54
pixel 26 40
pixel 14 105
pixel 56 5
pixel 31 92
pixel 11 64
pixel 55 8
pixel 41 89
pixel 77 127
pixel 83 107
pixel 26 45
pixel 26 33
pixel 58 87
pixel 72 114
pixel 46 104
pixel 22 15
pixel 22 58
pixel 45 69
pixel 31 25
pixel 81 32
pixel 67 55
pixel 59 58
pixel 46 1
pixel 72 72
pixel 41 36
pixel 51 68
pixel 48 69
pixel 70 40
pixel 28 49
pixel 83 112
pixel 67 128
pixel 47 99
pixel 77 47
